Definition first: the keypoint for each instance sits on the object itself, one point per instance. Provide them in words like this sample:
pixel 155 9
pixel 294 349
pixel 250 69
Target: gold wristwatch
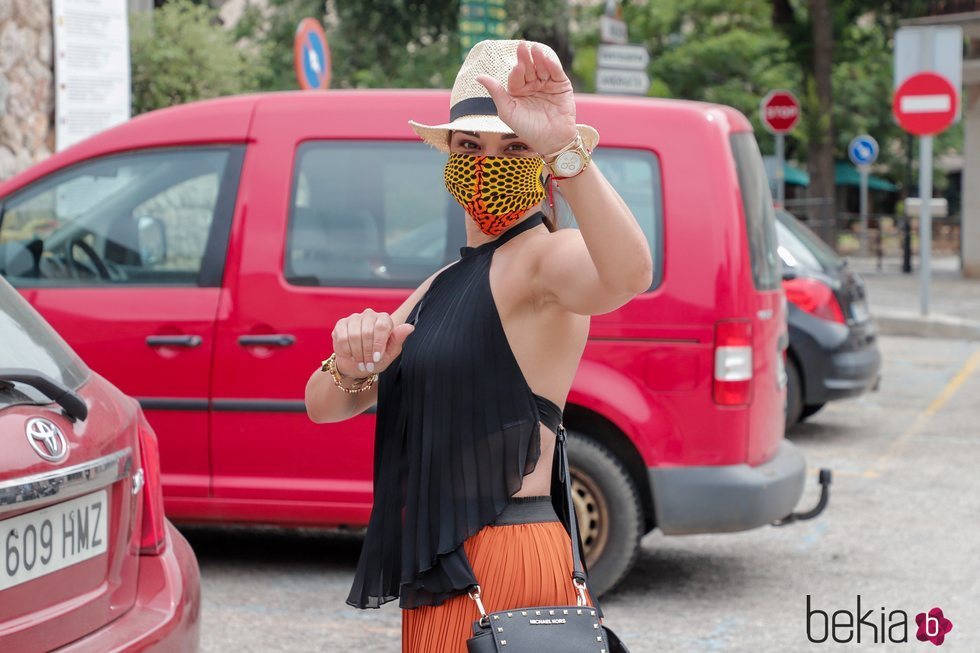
pixel 570 160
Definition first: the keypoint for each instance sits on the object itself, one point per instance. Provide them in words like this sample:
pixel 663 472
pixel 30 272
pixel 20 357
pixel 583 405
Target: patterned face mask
pixel 494 190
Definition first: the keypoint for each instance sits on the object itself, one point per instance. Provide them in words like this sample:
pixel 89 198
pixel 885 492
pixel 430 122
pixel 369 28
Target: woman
pixel 465 371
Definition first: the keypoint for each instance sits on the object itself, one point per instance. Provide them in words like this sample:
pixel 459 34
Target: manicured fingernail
pixel 370 367
pixel 360 366
pixel 377 356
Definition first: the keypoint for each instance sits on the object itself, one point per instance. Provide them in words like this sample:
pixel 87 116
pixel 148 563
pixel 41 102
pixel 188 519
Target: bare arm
pixel 325 402
pixel 606 262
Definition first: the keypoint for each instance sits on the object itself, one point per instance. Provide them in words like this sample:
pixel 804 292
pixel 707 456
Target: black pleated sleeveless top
pixel 457 428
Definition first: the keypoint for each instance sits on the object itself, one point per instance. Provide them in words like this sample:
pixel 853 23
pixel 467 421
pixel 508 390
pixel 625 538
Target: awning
pixel 846 174
pixel 791 174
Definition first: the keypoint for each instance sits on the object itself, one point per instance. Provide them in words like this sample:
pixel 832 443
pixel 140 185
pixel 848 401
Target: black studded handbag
pixel 550 628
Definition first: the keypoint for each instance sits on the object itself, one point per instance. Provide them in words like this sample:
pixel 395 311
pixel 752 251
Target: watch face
pixel 568 163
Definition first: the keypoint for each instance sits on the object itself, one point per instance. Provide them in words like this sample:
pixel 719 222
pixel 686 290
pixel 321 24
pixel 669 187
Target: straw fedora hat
pixel 470 106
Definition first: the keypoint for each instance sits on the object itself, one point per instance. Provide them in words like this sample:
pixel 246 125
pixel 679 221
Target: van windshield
pixel 760 219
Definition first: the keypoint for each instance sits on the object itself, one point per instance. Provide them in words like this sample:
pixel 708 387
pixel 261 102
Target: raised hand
pixel 538 102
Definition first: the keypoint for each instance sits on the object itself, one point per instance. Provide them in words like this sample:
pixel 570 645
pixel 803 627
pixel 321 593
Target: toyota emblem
pixel 46 439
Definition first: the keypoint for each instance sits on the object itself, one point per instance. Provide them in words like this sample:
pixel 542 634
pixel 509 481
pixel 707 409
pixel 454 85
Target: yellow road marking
pixel 899 444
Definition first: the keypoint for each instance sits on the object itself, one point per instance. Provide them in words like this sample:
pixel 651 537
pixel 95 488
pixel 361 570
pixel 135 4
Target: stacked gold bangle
pixel 330 365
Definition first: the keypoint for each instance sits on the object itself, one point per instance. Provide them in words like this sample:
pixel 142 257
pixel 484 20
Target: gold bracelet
pixel 330 365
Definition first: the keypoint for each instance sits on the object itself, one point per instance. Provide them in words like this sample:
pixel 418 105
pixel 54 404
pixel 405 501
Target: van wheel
pixel 794 394
pixel 608 510
pixel 810 409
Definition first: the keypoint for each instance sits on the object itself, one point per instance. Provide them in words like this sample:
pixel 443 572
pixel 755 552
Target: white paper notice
pixel 91 69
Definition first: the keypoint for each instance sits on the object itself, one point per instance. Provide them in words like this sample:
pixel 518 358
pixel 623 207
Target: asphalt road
pixel 901 532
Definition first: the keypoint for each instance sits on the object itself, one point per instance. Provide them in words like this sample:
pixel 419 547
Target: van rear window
pixel 760 217
pixel 377 213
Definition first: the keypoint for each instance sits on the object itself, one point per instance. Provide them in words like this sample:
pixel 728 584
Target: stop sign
pixel 780 111
pixel 925 104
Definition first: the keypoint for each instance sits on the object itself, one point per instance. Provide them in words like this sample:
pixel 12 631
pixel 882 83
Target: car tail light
pixel 814 297
pixel 153 534
pixel 733 363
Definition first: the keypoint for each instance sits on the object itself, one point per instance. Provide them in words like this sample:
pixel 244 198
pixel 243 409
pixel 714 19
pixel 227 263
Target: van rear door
pixel 769 334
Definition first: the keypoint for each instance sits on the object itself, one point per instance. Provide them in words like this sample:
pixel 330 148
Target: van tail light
pixel 733 363
pixel 153 535
pixel 814 297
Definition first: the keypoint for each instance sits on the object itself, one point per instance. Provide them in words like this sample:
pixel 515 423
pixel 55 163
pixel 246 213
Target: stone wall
pixel 26 85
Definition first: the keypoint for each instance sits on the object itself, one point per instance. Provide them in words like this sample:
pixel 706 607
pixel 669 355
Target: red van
pixel 87 560
pixel 198 257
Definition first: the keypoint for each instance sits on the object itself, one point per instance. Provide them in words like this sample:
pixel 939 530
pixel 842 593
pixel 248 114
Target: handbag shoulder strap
pixel 579 574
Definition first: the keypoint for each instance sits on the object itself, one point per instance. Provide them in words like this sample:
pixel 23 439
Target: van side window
pixel 370 214
pixel 635 174
pixel 377 214
pixel 138 218
pixel 760 217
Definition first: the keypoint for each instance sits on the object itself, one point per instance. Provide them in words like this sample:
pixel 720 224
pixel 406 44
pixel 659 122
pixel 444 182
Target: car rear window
pixel 377 214
pixel 760 220
pixel 27 341
pixel 798 245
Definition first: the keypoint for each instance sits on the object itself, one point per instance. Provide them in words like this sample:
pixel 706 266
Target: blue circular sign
pixel 311 55
pixel 863 150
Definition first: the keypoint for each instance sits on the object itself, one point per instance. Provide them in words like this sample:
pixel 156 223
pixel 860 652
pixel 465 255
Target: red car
pixel 87 560
pixel 204 252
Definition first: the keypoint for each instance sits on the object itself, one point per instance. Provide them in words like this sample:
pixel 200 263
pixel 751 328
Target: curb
pixel 894 322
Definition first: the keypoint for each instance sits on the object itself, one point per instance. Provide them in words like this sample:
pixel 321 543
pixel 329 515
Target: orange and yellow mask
pixel 494 190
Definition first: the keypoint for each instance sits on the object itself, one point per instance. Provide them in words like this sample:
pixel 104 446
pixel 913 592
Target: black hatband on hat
pixel 480 106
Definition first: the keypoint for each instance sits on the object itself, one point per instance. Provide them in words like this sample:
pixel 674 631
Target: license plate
pixel 859 311
pixel 46 540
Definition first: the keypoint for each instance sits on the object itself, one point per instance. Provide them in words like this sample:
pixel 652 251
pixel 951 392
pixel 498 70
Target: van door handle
pixel 173 341
pixel 271 340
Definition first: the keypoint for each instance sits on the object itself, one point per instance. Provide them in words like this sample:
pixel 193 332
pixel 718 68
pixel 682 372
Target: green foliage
pixel 721 51
pixel 179 54
pixel 395 43
pixel 273 32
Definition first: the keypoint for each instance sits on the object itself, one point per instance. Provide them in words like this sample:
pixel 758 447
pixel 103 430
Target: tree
pixel 178 54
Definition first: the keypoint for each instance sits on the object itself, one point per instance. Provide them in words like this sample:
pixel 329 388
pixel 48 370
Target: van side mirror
pixel 152 237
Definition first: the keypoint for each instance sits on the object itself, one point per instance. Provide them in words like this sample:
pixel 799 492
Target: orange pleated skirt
pixel 516 565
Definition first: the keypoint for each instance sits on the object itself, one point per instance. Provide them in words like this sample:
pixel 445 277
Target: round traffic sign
pixel 780 111
pixel 311 55
pixel 925 104
pixel 863 150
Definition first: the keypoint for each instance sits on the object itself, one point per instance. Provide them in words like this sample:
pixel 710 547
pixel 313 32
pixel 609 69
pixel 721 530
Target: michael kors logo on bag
pixel 545 622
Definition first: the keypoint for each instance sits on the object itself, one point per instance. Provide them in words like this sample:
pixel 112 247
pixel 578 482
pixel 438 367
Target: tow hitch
pixel 824 479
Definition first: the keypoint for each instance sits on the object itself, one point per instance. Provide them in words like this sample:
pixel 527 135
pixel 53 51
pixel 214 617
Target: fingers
pixel 551 64
pixel 356 338
pixel 525 63
pixel 540 57
pixel 375 348
pixel 496 90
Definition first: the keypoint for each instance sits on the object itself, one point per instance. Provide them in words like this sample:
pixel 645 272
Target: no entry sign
pixel 925 104
pixel 780 111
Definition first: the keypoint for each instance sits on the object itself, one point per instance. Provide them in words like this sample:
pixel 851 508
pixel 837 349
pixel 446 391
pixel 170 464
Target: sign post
pixel 780 111
pixel 928 75
pixel 925 104
pixel 863 151
pixel 311 55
